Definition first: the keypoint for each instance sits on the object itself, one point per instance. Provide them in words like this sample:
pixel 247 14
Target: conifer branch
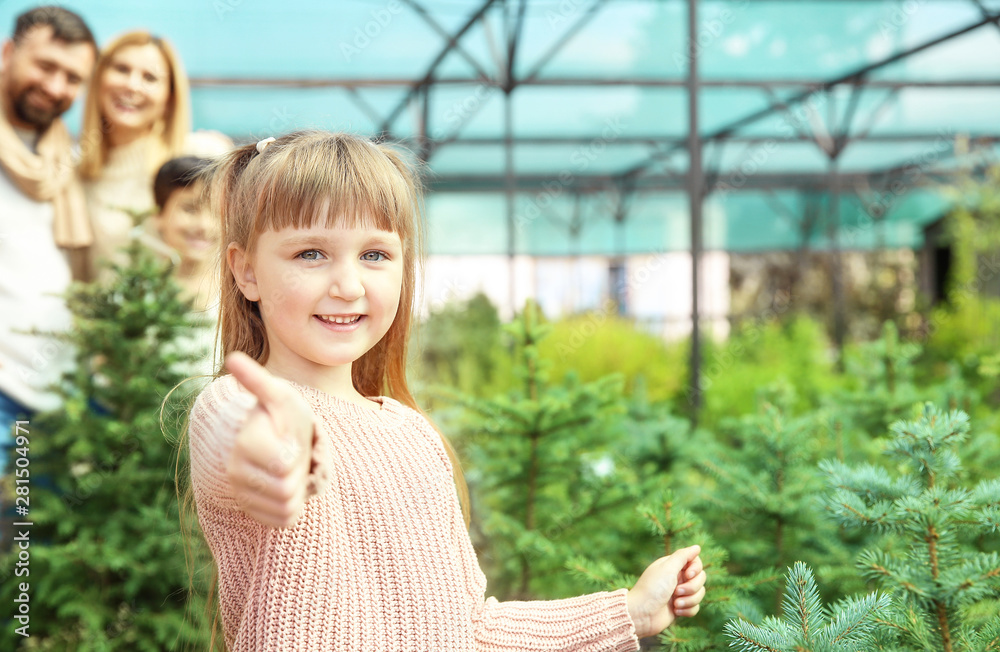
pixel 805 627
pixel 747 642
pixel 857 617
pixel 944 625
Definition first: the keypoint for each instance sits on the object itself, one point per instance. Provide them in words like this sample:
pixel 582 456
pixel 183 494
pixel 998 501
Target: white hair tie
pixel 261 144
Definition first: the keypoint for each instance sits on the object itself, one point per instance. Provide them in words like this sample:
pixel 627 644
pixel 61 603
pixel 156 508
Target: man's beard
pixel 42 119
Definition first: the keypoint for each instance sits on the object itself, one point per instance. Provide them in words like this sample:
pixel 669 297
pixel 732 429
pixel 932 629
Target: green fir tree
pixel 671 527
pixel 544 478
pixel 107 561
pixel 939 553
pixel 459 346
pixel 884 389
pixel 851 625
pixel 764 501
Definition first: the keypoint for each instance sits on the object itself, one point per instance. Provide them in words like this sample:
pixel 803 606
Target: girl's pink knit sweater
pixel 380 558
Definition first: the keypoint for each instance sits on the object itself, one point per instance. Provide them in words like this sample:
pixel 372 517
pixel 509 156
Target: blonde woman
pixel 136 116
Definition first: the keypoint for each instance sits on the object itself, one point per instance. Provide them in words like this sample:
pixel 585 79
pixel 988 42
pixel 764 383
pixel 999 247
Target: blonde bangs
pixel 336 182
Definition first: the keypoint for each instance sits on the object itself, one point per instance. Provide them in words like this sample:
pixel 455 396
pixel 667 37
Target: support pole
pixel 696 197
pixel 513 34
pixel 837 265
pixel 840 141
pixel 509 196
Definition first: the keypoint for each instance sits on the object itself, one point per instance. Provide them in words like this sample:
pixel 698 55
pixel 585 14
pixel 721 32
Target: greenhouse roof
pixel 884 100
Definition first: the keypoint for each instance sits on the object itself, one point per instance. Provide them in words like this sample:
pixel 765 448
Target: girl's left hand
pixel 669 587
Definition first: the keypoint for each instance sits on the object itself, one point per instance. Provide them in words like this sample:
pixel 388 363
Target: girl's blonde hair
pixel 176 122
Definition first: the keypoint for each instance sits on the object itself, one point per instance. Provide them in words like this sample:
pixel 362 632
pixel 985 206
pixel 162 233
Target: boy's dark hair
pixel 66 26
pixel 177 173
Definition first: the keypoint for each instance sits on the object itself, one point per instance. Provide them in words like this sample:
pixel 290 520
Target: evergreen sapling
pixel 766 490
pixel 107 567
pixel 671 527
pixel 884 377
pixel 935 557
pixel 541 458
pixel 848 626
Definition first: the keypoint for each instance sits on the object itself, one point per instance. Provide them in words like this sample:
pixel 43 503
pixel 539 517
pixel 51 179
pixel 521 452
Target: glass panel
pixel 578 111
pixel 466 110
pixel 458 160
pixel 246 113
pixel 622 39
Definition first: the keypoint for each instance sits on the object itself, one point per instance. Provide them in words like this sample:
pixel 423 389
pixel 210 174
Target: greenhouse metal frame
pixel 701 177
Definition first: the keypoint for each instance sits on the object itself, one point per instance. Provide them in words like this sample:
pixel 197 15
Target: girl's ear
pixel 239 265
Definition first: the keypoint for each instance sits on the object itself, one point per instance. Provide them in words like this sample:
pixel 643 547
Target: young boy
pixel 187 228
pixel 187 232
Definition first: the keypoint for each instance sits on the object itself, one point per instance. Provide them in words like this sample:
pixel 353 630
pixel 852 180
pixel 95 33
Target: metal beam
pixel 817 181
pixel 672 182
pixel 842 132
pixel 855 76
pixel 424 127
pixel 513 38
pixel 484 87
pixel 581 22
pixel 902 137
pixel 788 215
pixel 822 140
pixel 363 104
pixel 876 114
pixel 420 11
pixel 429 75
pixel 624 192
pixel 833 228
pixel 642 82
pixel 714 168
pixel 985 12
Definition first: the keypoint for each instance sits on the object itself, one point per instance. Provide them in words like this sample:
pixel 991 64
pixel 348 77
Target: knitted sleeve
pixel 598 622
pixel 216 418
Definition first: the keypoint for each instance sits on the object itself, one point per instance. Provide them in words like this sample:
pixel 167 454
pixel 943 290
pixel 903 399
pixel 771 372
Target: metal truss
pixel 654 172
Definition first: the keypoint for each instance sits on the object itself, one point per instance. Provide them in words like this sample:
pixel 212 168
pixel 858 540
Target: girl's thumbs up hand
pixel 669 587
pixel 269 463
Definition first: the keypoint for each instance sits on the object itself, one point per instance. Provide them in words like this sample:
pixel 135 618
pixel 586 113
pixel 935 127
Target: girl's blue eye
pixel 373 256
pixel 312 254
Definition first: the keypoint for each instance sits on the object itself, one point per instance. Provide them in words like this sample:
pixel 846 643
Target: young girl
pixel 328 500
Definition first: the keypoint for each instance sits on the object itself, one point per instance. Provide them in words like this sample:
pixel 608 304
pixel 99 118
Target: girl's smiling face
pixel 327 295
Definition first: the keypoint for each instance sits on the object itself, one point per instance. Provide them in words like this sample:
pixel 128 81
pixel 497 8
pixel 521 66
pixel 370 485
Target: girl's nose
pixel 347 284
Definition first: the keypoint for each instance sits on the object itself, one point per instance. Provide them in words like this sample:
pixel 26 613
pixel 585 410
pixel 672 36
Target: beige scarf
pixel 49 176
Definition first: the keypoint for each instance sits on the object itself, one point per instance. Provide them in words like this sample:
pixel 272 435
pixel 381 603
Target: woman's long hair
pixel 176 123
